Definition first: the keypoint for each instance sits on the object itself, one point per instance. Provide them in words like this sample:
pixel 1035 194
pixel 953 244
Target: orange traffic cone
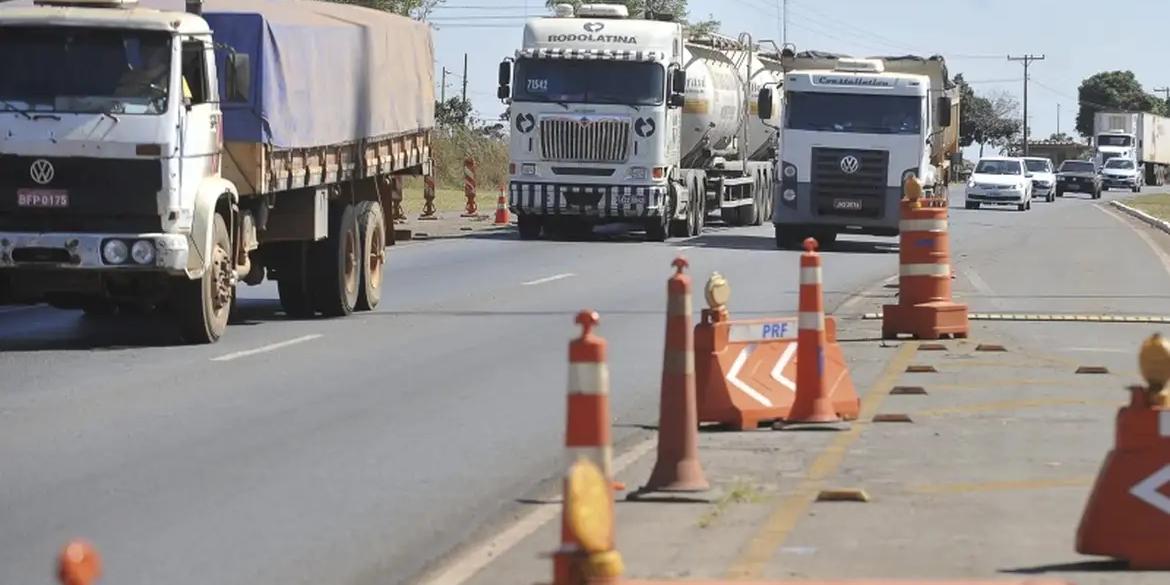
pixel 678 468
pixel 587 428
pixel 813 404
pixel 502 209
pixel 79 564
pixel 1128 514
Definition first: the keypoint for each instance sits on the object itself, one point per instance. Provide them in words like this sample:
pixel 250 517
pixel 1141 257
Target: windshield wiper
pixel 11 108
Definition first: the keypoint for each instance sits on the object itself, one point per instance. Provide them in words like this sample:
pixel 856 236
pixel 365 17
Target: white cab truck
pixel 853 130
pixel 1140 137
pixel 620 120
pixel 154 156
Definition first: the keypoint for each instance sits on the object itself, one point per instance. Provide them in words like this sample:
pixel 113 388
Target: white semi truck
pixel 853 130
pixel 620 120
pixel 1137 136
pixel 155 156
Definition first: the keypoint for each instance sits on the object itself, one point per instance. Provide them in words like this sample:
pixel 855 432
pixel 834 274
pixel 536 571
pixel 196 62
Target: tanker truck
pixel 620 120
pixel 854 130
pixel 155 156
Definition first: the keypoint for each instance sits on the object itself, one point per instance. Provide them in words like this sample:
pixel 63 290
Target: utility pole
pixel 1058 119
pixel 1027 60
pixel 465 78
pixel 443 88
pixel 784 22
pixel 1164 91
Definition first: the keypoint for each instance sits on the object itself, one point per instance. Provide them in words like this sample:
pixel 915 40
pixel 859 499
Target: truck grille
pixel 857 194
pixel 105 195
pixel 594 141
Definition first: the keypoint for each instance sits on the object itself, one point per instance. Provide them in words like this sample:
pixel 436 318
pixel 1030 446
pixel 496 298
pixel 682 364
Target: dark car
pixel 1078 176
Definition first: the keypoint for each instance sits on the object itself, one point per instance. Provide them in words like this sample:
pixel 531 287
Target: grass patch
pixel 1155 204
pixel 447 201
pixel 740 492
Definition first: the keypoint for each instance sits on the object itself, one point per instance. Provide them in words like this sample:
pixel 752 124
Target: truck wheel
pixel 292 283
pixel 204 305
pixel 656 228
pixel 786 240
pixel 372 225
pixel 757 210
pixel 528 226
pixel 700 210
pixel 336 266
pixel 1059 193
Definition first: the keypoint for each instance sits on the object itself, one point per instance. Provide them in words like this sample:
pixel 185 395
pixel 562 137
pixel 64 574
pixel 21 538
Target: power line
pixel 1027 61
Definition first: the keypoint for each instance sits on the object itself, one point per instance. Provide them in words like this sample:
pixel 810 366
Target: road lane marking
pixel 1000 486
pixel 982 286
pixel 1009 405
pixel 684 248
pixel 265 349
pixel 471 563
pixel 856 298
pixel 549 279
pixel 1163 257
pixel 1097 349
pixel 788 511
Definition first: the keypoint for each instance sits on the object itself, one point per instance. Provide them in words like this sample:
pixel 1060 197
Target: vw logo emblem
pixel 42 171
pixel 594 27
pixel 850 164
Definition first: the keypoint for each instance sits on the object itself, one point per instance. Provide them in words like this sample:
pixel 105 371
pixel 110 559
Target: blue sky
pixel 974 35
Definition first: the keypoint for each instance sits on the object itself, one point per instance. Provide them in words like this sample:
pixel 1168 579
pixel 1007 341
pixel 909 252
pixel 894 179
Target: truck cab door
pixel 202 123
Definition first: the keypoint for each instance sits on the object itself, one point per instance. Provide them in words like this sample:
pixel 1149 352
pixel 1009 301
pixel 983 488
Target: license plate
pixel 847 204
pixel 44 198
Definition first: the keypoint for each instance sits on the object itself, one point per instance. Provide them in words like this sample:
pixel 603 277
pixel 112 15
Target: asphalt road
pixel 360 450
pixel 369 447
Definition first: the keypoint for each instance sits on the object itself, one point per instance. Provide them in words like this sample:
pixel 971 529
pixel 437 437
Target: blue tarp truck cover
pixel 322 73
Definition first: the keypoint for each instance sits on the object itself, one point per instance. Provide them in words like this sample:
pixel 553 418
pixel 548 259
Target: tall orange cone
pixel 79 564
pixel 502 209
pixel 678 468
pixel 813 404
pixel 587 427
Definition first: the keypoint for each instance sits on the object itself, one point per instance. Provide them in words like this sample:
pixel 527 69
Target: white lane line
pixel 856 298
pixel 552 278
pixel 267 348
pixel 1162 256
pixel 684 248
pixel 467 565
pixel 982 286
pixel 1097 349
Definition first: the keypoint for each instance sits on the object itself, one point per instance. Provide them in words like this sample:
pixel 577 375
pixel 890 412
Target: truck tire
pixel 292 283
pixel 335 265
pixel 204 305
pixel 786 240
pixel 681 228
pixel 700 209
pixel 656 228
pixel 372 226
pixel 757 209
pixel 529 227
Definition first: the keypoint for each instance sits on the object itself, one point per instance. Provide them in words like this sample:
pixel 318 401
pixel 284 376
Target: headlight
pixel 789 195
pixel 143 252
pixel 971 184
pixel 789 171
pixel 115 252
pixel 528 169
pixel 638 173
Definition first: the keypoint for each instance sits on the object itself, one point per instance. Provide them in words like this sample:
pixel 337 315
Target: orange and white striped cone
pixel 678 468
pixel 79 564
pixel 502 209
pixel 587 428
pixel 813 404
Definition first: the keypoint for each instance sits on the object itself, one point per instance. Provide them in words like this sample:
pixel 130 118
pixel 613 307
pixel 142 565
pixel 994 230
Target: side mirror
pixel 505 81
pixel 239 77
pixel 765 104
pixel 943 107
pixel 678 82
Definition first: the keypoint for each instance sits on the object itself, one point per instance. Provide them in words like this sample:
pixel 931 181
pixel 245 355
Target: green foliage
pixel 452 145
pixel 1113 90
pixel 417 9
pixel 985 120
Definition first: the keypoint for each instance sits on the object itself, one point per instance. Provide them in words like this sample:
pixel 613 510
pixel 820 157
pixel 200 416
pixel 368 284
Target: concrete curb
pixel 1146 218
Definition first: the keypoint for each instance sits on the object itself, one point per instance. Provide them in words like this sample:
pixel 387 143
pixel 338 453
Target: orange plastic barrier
pixel 502 217
pixel 469 187
pixel 79 564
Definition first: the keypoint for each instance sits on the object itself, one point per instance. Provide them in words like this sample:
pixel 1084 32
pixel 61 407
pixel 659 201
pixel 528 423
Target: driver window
pixel 195 87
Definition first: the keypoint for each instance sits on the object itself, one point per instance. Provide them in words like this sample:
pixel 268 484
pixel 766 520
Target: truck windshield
pixel 85 70
pixel 589 82
pixel 1107 140
pixel 1074 166
pixel 862 114
pixel 1038 166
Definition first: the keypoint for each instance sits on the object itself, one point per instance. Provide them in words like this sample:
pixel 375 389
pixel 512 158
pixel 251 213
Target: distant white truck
pixel 854 130
pixel 1137 136
pixel 620 120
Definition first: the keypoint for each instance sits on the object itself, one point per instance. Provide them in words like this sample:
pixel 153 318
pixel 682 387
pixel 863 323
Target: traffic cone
pixel 502 209
pixel 813 404
pixel 678 468
pixel 79 564
pixel 587 428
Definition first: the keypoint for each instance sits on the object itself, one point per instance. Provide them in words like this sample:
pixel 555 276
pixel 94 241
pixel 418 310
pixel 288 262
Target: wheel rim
pixel 221 279
pixel 377 257
pixel 350 263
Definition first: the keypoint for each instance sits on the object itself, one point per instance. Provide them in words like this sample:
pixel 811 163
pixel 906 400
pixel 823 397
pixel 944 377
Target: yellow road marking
pixel 1015 405
pixel 788 510
pixel 999 383
pixel 1000 486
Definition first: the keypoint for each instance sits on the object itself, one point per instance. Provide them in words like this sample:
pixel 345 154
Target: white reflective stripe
pixel 588 378
pixel 678 362
pixel 923 225
pixel 733 376
pixel 810 275
pixel 778 371
pixel 925 270
pixel 771 330
pixel 814 321
pixel 601 455
pixel 1164 423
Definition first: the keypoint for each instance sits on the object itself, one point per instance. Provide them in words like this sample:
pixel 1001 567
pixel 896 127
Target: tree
pixel 416 9
pixel 988 121
pixel 1113 90
pixel 453 113
pixel 1060 137
pixel 675 9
